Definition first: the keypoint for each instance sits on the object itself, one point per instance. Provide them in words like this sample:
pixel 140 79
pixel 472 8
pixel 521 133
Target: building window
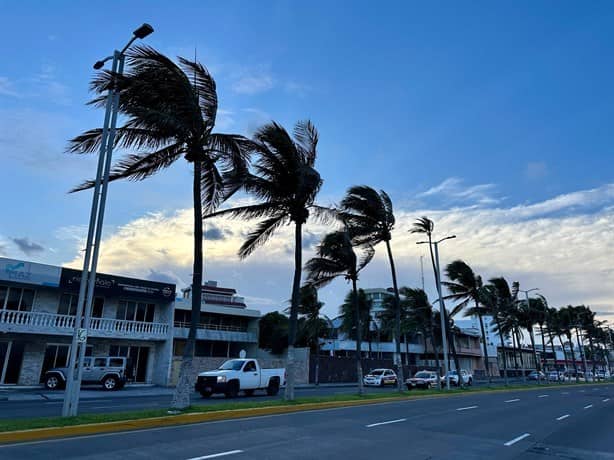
pixel 135 311
pixel 68 305
pixel 17 299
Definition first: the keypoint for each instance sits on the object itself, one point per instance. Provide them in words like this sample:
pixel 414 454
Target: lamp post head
pixel 143 31
pixel 99 65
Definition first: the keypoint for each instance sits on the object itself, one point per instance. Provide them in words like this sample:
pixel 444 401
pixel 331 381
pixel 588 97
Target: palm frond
pixel 261 234
pixel 204 86
pixel 306 136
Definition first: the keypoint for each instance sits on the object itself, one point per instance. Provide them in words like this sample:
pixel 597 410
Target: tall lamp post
pixel 94 233
pixel 526 294
pixel 442 309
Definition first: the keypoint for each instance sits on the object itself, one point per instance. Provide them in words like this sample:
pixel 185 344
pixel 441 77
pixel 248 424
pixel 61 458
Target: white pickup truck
pixel 240 375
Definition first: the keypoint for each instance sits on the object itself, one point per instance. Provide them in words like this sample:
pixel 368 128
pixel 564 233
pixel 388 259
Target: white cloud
pixel 7 88
pixel 452 190
pixel 567 256
pixel 253 84
pixel 536 170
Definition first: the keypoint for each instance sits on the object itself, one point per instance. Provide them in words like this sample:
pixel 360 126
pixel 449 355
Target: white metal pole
pixel 442 311
pixel 71 384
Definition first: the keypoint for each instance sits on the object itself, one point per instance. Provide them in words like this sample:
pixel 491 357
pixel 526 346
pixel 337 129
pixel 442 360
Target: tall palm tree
pixel 170 111
pixel 309 309
pixel 425 226
pixel 465 287
pixel 527 320
pixel 567 323
pixel 336 257
pixel 370 216
pixel 286 184
pixel 540 313
pixel 348 311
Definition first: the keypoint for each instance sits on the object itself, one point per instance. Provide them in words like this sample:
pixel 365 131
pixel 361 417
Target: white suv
pixel 466 376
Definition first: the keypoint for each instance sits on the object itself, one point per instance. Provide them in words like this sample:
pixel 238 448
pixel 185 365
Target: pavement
pixel 567 422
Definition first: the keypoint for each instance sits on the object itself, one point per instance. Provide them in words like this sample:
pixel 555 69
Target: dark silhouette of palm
pixel 336 257
pixel 170 112
pixel 370 217
pixel 310 311
pixel 285 183
pixel 465 287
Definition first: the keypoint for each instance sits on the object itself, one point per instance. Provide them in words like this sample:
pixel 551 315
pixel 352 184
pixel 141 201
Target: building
pixel 377 297
pixel 131 317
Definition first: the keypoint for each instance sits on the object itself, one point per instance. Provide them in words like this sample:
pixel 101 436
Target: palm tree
pixel 370 216
pixel 540 313
pixel 425 226
pixel 170 111
pixel 335 257
pixel 309 309
pixel 286 184
pixel 465 287
pixel 567 323
pixel 526 320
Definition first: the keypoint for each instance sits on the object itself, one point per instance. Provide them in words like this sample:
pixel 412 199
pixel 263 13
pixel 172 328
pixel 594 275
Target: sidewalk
pixel 38 392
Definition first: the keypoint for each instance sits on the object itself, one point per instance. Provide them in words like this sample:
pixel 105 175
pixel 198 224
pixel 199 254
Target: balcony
pixel 207 331
pixel 48 323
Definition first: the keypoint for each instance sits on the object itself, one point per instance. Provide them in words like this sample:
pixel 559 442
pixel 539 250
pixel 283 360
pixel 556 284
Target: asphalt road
pixel 538 424
pixel 99 401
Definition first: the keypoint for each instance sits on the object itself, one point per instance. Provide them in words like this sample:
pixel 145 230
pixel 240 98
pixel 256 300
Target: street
pixel 49 404
pixel 537 424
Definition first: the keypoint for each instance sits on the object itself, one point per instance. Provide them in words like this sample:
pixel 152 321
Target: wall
pixel 267 360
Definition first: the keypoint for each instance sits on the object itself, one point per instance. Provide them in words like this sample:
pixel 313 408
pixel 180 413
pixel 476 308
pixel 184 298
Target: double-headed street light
pixel 94 233
pixel 442 309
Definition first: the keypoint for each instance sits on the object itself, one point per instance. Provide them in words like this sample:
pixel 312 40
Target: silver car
pixel 110 372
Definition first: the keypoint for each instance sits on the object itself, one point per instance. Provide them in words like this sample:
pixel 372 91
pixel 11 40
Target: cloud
pixel 7 88
pixel 566 255
pixel 224 120
pixel 453 191
pixel 163 277
pixel 46 83
pixel 27 247
pixel 296 88
pixel 214 233
pixel 536 170
pixel 253 84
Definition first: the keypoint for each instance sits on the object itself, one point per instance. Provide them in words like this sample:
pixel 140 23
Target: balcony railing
pixel 39 322
pixel 222 299
pixel 214 327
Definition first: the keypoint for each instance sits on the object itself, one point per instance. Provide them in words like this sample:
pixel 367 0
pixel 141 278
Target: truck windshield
pixel 232 365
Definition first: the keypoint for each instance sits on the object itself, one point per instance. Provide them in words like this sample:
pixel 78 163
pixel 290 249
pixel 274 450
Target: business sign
pixel 118 286
pixel 20 271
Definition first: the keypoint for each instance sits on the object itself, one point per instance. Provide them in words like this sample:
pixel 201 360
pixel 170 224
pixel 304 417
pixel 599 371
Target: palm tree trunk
pixel 514 352
pixel 592 348
pixel 296 286
pixel 317 379
pixel 455 358
pixel 437 363
pixel 532 337
pixel 358 338
pixel 582 354
pixel 564 353
pixel 541 331
pixel 573 355
pixel 503 349
pixel 397 312
pixel 406 349
pixel 181 397
pixel 524 374
pixel 484 345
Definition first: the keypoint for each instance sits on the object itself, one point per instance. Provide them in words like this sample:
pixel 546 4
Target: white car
pixel 380 378
pixel 422 379
pixel 466 375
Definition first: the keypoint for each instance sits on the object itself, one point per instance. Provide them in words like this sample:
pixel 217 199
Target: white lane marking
pixel 386 423
pixel 588 407
pixel 563 417
pixel 512 400
pixel 467 408
pixel 582 391
pixel 515 440
pixel 543 396
pixel 606 399
pixel 565 392
pixel 221 454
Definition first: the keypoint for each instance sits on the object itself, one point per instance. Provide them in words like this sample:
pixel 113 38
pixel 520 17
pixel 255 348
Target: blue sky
pixel 498 110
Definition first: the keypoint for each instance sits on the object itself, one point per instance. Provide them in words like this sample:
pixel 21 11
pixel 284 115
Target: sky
pixel 492 118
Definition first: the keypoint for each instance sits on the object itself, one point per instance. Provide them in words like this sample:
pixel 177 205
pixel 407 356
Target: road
pixel 538 424
pixel 49 404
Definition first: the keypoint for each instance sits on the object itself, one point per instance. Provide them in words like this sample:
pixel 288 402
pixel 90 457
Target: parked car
pixel 380 378
pixel 422 379
pixel 466 376
pixel 554 376
pixel 536 375
pixel 110 372
pixel 240 375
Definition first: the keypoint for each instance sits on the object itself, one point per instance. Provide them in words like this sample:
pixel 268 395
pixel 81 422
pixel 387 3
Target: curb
pixel 39 434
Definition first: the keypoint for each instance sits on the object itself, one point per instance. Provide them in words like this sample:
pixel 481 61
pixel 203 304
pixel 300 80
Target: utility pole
pixel 422 271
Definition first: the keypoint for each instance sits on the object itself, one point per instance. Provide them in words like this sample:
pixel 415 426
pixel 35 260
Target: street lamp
pixel 94 233
pixel 442 309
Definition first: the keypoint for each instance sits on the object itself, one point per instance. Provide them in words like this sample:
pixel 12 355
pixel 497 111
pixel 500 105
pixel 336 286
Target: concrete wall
pixel 33 354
